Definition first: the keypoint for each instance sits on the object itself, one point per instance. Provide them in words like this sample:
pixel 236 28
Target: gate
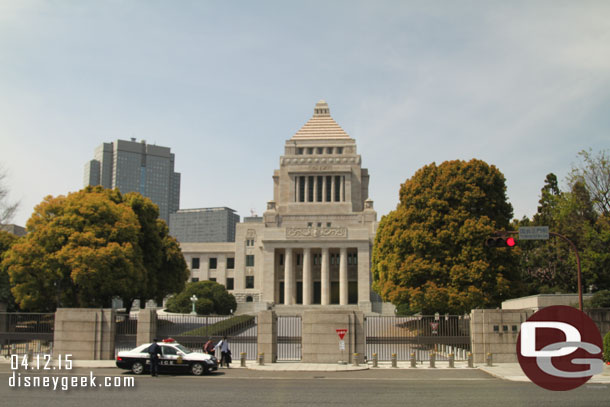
pixel 289 338
pixel 418 334
pixel 193 332
pixel 126 331
pixel 24 332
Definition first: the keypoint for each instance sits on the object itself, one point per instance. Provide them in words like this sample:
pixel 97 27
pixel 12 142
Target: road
pixel 241 387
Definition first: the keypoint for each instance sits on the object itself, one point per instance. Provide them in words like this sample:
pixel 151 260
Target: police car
pixel 174 358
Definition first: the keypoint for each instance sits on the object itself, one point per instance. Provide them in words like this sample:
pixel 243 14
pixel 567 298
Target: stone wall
pixel 320 342
pixel 85 333
pixel 496 332
pixel 601 317
pixel 267 336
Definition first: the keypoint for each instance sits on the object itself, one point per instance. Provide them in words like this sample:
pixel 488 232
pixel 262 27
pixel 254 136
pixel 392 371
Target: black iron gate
pixel 126 331
pixel 289 338
pixel 25 332
pixel 444 334
pixel 193 331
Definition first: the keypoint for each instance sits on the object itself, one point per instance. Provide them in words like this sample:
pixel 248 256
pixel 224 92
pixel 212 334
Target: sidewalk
pixel 504 371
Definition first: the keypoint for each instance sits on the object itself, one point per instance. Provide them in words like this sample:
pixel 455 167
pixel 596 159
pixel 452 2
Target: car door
pixel 169 359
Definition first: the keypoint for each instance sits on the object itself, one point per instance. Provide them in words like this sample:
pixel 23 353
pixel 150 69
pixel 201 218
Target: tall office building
pixel 204 225
pixel 133 166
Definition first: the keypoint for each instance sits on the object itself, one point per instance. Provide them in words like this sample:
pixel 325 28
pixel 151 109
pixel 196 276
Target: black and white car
pixel 175 358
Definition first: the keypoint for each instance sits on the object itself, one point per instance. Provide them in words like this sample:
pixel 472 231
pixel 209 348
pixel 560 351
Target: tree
pixel 7 209
pixel 594 174
pixel 212 298
pixel 429 253
pixel 6 241
pixel 90 246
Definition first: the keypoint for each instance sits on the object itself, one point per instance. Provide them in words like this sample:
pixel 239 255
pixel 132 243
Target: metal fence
pixel 421 335
pixel 24 332
pixel 193 331
pixel 289 338
pixel 126 331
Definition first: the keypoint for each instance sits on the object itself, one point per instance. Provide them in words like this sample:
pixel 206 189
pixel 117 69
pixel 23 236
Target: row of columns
pixel 290 283
pixel 316 198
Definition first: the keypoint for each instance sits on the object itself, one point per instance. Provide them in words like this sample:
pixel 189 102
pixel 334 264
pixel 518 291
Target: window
pixel 319 191
pixel 328 224
pixel 230 283
pixel 329 180
pixel 352 258
pixel 329 150
pixel 309 224
pixel 309 150
pixel 339 150
pixel 301 189
pixel 298 259
pixel 300 151
pixel 213 279
pixel 249 260
pixel 195 263
pixel 320 150
pixel 337 188
pixel 195 279
pixel 167 350
pixel 249 281
pixel 213 263
pixel 230 263
pixel 281 259
pixel 319 224
pixel 250 242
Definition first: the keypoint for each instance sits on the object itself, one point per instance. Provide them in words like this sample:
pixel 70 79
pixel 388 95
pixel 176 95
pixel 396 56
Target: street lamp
pixel 193 300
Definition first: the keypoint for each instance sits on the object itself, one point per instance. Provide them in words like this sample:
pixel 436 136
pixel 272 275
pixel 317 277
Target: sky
pixel 522 85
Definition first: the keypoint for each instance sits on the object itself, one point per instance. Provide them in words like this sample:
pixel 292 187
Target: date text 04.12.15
pixel 41 362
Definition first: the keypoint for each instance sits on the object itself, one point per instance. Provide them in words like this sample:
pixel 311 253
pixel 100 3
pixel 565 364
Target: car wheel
pixel 197 369
pixel 137 367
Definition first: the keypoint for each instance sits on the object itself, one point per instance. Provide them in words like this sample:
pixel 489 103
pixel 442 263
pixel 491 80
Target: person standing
pixel 209 347
pixel 154 350
pixel 225 351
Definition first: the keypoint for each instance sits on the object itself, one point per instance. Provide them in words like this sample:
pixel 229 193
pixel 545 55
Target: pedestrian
pixel 225 352
pixel 154 350
pixel 209 347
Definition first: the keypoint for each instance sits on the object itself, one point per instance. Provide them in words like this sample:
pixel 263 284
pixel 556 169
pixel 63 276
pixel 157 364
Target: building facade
pixel 204 225
pixel 133 166
pixel 313 243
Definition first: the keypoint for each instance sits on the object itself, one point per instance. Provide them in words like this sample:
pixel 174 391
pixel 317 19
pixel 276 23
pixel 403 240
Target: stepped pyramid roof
pixel 321 126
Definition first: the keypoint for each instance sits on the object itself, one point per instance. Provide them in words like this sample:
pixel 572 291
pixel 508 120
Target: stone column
pixel 342 189
pixel 288 277
pixel 269 279
pixel 343 276
pixel 307 283
pixel 325 278
pixel 315 188
pixel 267 335
pixel 333 186
pixel 324 187
pixel 147 326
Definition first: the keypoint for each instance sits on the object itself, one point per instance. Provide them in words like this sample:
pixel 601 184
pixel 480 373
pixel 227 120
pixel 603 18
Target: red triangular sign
pixel 341 333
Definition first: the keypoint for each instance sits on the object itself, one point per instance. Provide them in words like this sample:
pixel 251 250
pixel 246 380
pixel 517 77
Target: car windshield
pixel 183 349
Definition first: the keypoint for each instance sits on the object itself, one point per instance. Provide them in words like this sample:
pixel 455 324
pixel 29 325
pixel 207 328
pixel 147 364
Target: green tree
pixel 429 253
pixel 6 297
pixel 212 298
pixel 594 173
pixel 90 246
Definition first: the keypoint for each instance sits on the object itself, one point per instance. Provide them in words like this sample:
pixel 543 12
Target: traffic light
pixel 500 241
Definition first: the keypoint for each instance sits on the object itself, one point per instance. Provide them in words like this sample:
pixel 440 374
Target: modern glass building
pixel 204 225
pixel 133 166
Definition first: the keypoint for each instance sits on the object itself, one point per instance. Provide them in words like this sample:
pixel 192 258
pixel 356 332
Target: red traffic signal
pixel 500 241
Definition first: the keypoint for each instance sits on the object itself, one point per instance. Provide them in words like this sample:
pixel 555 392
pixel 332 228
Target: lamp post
pixel 193 300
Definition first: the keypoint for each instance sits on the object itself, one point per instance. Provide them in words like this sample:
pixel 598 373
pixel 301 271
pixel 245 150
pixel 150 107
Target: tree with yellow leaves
pixel 90 246
pixel 429 254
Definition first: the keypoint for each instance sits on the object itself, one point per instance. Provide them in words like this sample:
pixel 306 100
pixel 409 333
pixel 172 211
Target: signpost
pixel 543 233
pixel 341 333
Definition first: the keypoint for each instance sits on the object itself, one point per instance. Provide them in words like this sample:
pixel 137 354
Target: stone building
pixel 313 243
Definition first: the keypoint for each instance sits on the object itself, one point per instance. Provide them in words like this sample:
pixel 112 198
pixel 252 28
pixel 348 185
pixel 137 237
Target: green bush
pixel 212 298
pixel 600 299
pixel 607 347
pixel 228 327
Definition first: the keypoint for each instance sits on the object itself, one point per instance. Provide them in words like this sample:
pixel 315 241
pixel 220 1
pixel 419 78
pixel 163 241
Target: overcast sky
pixel 522 85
